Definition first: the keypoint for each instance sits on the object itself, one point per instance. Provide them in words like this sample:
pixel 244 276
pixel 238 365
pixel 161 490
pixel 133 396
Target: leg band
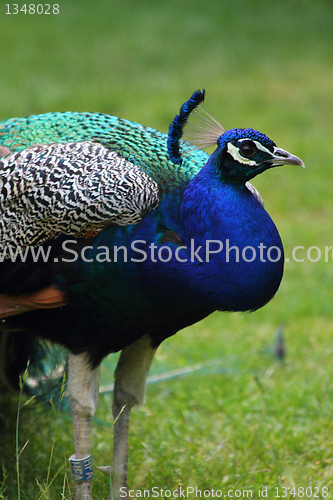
pixel 81 468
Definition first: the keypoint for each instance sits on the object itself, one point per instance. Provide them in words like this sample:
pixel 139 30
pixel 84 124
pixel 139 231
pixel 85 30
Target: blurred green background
pixel 244 419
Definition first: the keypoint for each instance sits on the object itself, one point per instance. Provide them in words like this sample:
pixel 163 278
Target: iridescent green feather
pixel 140 145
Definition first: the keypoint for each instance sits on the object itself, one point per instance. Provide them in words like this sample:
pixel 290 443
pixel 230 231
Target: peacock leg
pixel 129 390
pixel 83 385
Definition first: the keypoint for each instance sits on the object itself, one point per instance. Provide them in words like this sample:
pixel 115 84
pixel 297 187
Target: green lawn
pixel 244 420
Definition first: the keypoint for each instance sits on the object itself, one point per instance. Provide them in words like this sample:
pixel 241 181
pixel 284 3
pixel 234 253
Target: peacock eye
pixel 247 149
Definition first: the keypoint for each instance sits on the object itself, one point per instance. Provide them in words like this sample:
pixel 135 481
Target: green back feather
pixel 143 146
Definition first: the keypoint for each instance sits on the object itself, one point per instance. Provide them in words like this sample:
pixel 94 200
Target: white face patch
pixel 234 151
pixel 238 157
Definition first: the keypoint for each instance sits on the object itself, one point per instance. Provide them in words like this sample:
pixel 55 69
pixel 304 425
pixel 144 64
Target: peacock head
pixel 242 154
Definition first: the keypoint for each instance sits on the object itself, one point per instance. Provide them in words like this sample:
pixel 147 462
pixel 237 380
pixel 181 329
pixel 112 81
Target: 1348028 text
pixel 33 8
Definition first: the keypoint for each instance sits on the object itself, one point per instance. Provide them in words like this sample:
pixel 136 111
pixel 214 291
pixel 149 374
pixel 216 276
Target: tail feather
pixel 47 363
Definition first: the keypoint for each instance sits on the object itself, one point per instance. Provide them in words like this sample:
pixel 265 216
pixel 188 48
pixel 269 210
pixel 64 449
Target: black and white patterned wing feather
pixel 69 188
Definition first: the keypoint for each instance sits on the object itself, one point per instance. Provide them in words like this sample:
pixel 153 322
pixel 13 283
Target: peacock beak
pixel 282 157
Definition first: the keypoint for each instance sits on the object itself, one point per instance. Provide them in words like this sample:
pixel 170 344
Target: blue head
pixel 244 153
pixel 241 153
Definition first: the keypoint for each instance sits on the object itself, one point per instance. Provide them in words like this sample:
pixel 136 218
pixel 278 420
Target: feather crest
pixel 176 127
pixel 202 128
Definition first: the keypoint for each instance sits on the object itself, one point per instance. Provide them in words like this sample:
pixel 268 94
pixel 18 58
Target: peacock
pixel 114 236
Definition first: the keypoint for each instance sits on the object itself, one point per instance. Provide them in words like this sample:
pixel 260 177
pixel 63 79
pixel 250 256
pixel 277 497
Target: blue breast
pixel 213 247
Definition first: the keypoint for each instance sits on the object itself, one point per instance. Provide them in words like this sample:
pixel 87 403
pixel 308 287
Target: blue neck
pixel 228 212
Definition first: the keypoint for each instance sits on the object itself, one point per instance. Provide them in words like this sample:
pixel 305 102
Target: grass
pixel 247 421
